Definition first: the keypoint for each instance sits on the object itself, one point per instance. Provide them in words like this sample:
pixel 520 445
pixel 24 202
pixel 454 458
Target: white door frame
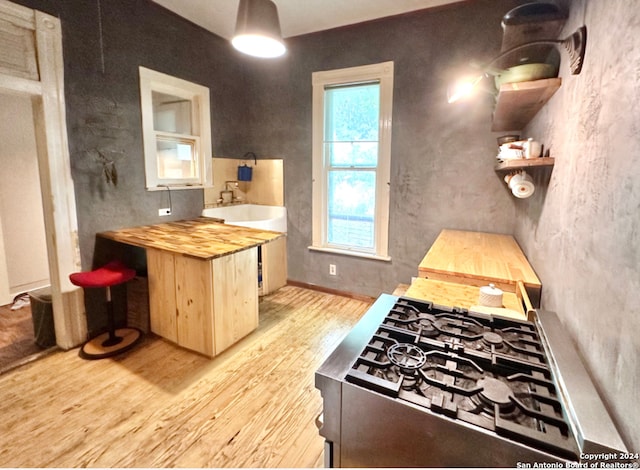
pixel 45 86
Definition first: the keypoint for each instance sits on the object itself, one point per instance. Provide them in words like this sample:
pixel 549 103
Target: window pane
pixel 352 154
pixel 176 159
pixel 351 113
pixel 351 204
pixel 171 113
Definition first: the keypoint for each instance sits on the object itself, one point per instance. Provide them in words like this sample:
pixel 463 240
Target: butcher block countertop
pixel 201 238
pixel 463 296
pixel 477 258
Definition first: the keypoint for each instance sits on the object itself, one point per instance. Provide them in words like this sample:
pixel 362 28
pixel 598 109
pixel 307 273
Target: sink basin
pixel 251 215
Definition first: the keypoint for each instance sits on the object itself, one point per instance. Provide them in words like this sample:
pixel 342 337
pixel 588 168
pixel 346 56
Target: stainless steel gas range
pixel 420 385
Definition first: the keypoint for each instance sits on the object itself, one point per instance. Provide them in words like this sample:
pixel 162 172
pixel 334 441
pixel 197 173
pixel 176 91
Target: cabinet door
pixel 235 297
pixel 274 265
pixel 194 306
pixel 162 294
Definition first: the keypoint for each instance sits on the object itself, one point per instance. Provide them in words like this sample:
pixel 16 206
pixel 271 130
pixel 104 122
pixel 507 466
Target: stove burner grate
pixel 489 372
pixel 406 356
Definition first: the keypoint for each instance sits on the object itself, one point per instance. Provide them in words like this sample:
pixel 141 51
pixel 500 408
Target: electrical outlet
pixel 332 269
pixel 165 211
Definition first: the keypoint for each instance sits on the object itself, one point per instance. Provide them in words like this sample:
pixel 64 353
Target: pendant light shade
pixel 258 29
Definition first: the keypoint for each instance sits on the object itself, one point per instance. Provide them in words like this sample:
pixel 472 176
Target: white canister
pixel 532 149
pixel 490 296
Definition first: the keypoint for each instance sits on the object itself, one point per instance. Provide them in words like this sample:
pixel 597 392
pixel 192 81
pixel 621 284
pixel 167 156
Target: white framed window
pixel 176 129
pixel 351 160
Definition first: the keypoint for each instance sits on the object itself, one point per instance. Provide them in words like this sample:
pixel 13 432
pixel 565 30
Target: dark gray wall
pixel 582 229
pixel 442 155
pixel 104 42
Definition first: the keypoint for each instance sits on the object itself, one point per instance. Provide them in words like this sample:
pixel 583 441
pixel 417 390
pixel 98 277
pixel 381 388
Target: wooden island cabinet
pixel 203 280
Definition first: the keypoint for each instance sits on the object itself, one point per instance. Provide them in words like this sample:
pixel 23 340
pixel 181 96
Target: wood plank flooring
pixel 162 406
pixel 17 340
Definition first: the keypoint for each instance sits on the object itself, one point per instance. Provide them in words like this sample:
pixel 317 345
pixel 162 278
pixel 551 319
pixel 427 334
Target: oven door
pixel 379 431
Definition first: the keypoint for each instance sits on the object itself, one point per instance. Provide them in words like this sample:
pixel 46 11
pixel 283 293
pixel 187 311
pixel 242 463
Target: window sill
pixel 177 186
pixel 357 254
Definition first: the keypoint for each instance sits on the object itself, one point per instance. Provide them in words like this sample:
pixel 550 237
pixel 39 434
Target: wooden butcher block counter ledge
pixel 200 238
pixel 203 280
pixel 477 259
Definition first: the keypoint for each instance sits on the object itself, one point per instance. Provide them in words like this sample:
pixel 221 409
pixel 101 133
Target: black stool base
pixel 100 347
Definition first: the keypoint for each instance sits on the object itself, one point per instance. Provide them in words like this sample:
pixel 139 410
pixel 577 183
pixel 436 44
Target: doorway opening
pixel 18 344
pixel 23 244
pixel 32 69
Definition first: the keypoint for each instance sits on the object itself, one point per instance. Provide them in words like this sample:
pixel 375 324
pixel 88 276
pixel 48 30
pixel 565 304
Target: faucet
pixel 228 196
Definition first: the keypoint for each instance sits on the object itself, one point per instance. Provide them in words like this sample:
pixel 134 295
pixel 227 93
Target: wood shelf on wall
pixel 518 103
pixel 524 163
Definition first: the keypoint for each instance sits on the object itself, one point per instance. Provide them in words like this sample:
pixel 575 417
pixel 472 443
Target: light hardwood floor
pixel 162 406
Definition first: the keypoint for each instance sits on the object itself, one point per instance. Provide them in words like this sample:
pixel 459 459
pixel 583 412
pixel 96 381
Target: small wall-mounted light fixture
pixel 258 29
pixel 575 46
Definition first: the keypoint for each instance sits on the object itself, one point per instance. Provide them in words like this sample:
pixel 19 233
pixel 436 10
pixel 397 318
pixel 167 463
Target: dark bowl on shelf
pixel 505 139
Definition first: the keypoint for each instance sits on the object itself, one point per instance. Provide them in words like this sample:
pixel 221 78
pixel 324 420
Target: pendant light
pixel 258 29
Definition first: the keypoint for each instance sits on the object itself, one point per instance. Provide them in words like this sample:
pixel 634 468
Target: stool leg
pixel 112 340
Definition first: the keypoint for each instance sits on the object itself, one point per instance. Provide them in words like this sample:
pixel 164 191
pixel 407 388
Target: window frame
pixel 383 74
pixel 151 81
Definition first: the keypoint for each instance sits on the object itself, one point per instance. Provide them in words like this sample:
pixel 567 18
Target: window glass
pixel 351 214
pixel 352 113
pixel 176 159
pixel 352 154
pixel 351 141
pixel 171 113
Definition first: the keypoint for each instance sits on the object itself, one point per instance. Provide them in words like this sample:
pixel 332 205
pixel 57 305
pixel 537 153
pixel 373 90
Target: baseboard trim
pixel 327 290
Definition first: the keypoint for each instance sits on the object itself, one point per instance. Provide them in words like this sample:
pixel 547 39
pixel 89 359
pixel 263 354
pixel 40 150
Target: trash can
pixel 42 315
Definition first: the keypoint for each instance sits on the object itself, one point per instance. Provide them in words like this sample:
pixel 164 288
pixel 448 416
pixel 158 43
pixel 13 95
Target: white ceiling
pixel 296 16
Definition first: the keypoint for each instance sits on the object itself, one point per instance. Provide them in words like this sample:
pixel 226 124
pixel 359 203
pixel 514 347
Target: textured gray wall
pixel 441 173
pixel 582 231
pixel 442 155
pixel 104 42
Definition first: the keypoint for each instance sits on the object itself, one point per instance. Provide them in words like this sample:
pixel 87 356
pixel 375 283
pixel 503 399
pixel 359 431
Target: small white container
pixel 490 296
pixel 532 149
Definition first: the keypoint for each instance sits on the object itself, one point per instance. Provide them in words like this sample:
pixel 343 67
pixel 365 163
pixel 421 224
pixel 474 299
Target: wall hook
pixel 251 155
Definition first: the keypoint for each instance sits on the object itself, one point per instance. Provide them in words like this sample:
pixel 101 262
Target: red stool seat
pixel 110 274
pixel 114 341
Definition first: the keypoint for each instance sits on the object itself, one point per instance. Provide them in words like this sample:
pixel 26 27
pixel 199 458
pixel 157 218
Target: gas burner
pixel 429 329
pixel 495 392
pixel 411 380
pixel 492 339
pixel 407 357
